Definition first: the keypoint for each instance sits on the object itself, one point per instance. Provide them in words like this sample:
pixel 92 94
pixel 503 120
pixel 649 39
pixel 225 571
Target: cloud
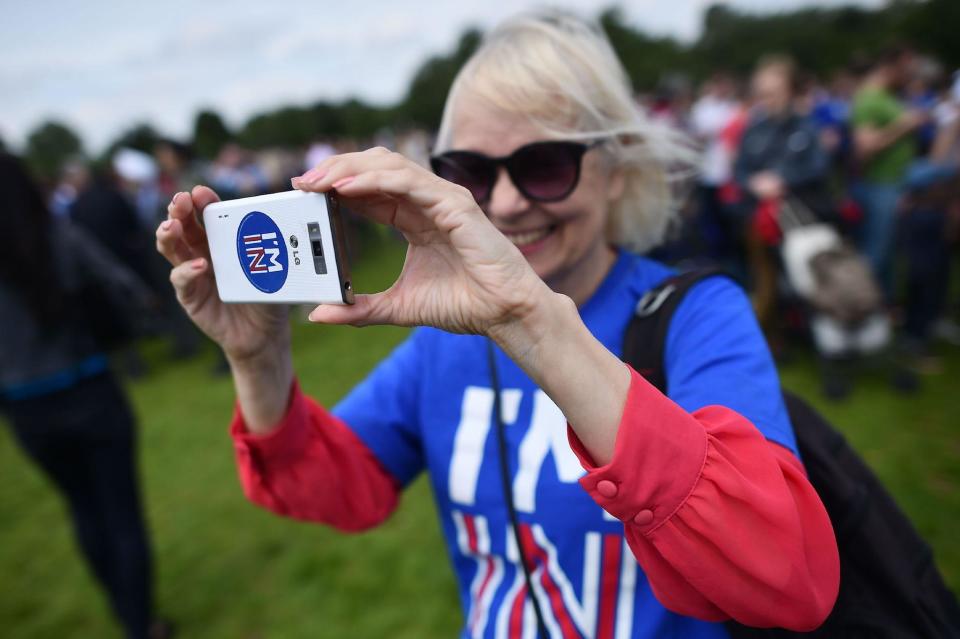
pixel 103 66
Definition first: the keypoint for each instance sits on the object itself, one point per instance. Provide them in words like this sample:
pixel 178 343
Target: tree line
pixel 821 40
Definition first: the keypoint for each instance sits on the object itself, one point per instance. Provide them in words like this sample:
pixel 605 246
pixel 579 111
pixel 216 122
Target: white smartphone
pixel 283 248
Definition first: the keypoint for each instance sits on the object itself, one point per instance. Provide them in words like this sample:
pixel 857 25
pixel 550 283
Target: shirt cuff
pixel 658 456
pixel 287 439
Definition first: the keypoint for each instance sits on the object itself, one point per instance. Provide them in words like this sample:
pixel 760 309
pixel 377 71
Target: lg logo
pixel 294 243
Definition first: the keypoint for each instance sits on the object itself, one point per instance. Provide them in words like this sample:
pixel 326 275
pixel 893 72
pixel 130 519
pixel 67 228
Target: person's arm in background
pixel 948 132
pixel 869 138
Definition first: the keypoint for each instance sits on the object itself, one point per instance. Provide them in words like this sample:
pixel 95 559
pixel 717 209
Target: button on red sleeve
pixel 670 442
pixel 723 522
pixel 313 467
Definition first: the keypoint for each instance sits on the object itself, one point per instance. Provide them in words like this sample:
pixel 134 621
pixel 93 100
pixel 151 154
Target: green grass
pixel 228 569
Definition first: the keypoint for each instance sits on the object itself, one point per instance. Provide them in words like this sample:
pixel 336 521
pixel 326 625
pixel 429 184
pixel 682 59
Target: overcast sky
pixel 101 65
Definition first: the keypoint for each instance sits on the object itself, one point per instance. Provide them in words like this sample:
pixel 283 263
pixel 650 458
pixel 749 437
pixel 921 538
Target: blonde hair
pixel 561 73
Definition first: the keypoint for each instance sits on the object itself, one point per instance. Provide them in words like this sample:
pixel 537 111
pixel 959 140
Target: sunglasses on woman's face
pixel 541 171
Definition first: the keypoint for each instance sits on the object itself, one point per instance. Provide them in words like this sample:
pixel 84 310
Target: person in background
pixel 235 173
pixel 66 409
pixel 884 146
pixel 779 162
pixel 920 94
pixel 138 179
pixel 831 114
pixel 317 152
pixel 710 114
pixel 519 275
pixel 74 179
pixel 177 169
pixel 932 195
pixel 104 211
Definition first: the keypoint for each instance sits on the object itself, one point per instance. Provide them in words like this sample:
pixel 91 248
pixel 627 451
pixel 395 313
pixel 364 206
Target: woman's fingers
pixel 322 177
pixel 378 172
pixel 202 196
pixel 186 276
pixel 170 243
pixel 186 208
pixel 365 310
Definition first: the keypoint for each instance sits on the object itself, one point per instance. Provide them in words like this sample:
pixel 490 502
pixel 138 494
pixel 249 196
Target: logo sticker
pixel 262 254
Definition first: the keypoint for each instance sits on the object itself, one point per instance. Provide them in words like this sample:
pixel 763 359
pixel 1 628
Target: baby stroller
pixel 847 319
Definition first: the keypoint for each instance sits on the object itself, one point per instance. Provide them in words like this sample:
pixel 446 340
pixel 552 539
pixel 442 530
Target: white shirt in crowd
pixel 709 116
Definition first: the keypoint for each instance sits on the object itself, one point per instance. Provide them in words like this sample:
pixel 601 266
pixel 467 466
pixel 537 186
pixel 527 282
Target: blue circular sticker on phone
pixel 262 252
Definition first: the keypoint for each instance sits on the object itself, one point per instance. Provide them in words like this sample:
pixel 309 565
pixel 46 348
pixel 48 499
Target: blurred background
pixel 116 107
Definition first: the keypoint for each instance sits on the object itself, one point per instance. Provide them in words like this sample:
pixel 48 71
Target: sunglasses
pixel 541 171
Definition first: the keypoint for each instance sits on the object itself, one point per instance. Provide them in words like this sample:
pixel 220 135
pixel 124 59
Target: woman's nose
pixel 505 200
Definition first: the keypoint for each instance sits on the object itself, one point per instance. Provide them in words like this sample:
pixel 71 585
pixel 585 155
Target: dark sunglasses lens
pixel 547 171
pixel 468 170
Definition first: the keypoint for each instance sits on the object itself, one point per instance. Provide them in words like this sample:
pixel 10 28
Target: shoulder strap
pixel 645 341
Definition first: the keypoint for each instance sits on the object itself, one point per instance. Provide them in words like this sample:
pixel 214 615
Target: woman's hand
pixel 242 330
pixel 254 337
pixel 460 273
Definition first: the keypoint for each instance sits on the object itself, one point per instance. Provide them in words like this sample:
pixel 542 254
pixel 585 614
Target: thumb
pixel 366 310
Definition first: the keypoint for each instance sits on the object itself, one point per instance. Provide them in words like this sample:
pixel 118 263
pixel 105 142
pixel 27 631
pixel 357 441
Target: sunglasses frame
pixel 506 161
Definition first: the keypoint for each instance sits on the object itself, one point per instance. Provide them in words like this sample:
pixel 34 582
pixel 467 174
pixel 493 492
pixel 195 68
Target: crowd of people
pixel 872 152
pixel 835 203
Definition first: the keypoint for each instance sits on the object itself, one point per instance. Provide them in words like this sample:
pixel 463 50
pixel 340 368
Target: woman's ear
pixel 617 182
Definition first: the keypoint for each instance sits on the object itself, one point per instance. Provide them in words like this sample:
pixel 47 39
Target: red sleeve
pixel 313 467
pixel 723 522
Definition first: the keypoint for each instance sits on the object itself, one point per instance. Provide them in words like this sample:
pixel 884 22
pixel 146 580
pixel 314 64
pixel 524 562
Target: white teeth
pixel 522 239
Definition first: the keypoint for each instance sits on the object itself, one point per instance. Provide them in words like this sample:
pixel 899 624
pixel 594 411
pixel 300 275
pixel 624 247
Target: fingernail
pixel 165 225
pixel 177 196
pixel 313 175
pixel 295 182
pixel 342 182
pixel 198 264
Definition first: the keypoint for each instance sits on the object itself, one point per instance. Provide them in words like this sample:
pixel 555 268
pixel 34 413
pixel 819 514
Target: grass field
pixel 227 569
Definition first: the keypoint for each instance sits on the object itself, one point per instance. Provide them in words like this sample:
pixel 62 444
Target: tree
pixel 423 104
pixel 288 126
pixel 209 134
pixel 361 120
pixel 933 25
pixel 49 146
pixel 646 59
pixel 141 137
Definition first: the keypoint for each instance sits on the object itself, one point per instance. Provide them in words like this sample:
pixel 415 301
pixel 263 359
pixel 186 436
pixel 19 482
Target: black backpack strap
pixel 890 586
pixel 646 338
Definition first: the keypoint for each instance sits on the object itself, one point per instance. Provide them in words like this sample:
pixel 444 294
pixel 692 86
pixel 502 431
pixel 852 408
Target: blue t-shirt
pixel 429 406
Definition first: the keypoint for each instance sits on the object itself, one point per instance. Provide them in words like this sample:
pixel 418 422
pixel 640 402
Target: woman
pixel 555 167
pixel 66 409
